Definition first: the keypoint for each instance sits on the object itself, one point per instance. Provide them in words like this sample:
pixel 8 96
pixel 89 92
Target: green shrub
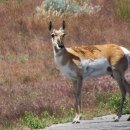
pixel 22 58
pixel 123 9
pixel 32 120
pixel 2 1
pixel 114 103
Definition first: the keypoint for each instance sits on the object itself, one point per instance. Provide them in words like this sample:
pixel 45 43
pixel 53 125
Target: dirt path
pixel 99 123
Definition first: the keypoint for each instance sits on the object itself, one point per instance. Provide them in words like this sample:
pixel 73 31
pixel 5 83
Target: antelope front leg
pixel 77 84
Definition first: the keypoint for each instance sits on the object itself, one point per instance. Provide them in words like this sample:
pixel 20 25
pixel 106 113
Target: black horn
pixel 50 26
pixel 63 25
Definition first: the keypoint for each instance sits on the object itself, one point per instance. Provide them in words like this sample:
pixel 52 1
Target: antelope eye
pixel 52 35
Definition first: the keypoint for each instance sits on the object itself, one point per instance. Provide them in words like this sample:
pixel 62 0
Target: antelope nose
pixel 61 46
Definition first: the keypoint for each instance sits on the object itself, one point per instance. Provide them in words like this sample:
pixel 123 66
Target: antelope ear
pixel 63 25
pixel 50 26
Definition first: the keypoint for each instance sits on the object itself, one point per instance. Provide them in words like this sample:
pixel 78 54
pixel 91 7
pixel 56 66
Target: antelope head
pixel 57 36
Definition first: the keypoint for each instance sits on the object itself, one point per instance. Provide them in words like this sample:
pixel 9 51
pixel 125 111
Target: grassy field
pixel 30 84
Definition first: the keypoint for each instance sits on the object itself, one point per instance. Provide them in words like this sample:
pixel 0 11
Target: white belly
pixel 90 68
pixel 94 68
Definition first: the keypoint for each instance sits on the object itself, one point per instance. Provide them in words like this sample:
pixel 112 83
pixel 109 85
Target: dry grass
pixel 28 78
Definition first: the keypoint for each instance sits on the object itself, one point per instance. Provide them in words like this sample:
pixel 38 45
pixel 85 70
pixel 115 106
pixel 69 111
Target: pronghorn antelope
pixel 79 63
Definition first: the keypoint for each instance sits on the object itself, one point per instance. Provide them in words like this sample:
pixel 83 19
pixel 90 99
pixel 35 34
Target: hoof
pixel 128 119
pixel 76 119
pixel 75 122
pixel 116 119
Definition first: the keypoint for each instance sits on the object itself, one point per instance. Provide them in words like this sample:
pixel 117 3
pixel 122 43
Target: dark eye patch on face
pixel 52 35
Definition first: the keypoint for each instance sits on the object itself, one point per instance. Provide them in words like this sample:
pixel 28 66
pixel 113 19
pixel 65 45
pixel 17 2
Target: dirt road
pixel 99 123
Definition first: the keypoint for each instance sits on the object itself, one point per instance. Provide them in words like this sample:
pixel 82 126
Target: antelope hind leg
pixel 127 85
pixel 119 78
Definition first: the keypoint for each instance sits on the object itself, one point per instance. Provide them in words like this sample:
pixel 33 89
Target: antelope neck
pixel 60 51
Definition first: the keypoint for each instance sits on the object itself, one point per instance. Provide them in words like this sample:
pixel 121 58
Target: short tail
pixel 127 53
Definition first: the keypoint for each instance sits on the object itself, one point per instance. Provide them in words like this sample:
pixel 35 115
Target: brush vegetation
pixel 32 91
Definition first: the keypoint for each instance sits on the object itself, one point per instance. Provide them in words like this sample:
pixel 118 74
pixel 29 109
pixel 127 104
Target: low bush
pixel 114 103
pixel 123 9
pixel 34 121
pixel 57 7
